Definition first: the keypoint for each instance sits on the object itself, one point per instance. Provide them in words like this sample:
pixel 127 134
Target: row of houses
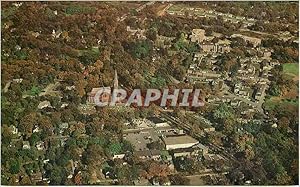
pixel 203 74
pixel 209 47
pixel 254 41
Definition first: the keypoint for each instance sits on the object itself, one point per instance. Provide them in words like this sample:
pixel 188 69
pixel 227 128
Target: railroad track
pixel 179 124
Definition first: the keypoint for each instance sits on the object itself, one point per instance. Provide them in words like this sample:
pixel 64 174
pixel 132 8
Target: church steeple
pixel 116 82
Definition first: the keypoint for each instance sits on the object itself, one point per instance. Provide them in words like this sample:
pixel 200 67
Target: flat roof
pixel 181 139
pixel 140 139
pixel 156 120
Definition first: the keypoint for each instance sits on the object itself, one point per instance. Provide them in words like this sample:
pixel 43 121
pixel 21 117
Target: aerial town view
pixel 149 93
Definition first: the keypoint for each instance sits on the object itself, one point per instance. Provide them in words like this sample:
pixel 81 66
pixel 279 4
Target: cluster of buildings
pixel 154 138
pixel 138 33
pixel 200 12
pixel 253 40
pixel 205 42
pixel 209 47
pixel 250 80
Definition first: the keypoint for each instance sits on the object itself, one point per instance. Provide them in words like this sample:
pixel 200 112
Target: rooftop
pixel 181 139
pixel 156 120
pixel 95 90
pixel 140 139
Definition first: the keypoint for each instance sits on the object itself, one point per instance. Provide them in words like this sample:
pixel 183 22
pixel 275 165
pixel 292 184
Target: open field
pixel 271 103
pixel 291 68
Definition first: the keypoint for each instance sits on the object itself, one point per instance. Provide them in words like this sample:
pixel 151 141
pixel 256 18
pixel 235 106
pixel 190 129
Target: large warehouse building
pixel 180 141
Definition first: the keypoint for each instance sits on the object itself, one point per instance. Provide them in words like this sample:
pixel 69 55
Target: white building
pixel 26 145
pixel 119 156
pixel 198 35
pixel 177 142
pixel 44 104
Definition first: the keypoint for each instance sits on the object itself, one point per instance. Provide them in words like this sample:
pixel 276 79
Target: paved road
pixel 263 95
pixel 7 85
pixel 175 81
pixel 256 105
pixel 162 12
pixel 207 173
pixel 50 89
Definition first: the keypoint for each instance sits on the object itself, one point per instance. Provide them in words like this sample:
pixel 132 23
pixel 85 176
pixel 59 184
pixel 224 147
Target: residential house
pixel 36 129
pixel 17 80
pixel 14 130
pixel 44 104
pixel 26 145
pixel 36 177
pixel 235 102
pixel 267 54
pixel 70 87
pixel 273 63
pixel 198 56
pixel 140 33
pixel 119 156
pixel 242 90
pixel 245 92
pixel 40 145
pixel 63 127
pixel 148 154
pixel 212 98
pixel 258 92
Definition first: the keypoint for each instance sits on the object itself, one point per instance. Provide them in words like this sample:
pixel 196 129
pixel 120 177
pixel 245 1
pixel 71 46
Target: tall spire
pixel 116 83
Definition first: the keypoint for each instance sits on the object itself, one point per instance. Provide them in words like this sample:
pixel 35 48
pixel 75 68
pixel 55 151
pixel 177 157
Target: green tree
pixel 178 179
pixel 115 148
pixel 223 111
pixel 57 175
pixel 14 166
pixel 34 138
pixel 274 89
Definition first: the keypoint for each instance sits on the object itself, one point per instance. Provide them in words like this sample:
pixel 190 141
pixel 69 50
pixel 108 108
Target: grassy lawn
pixel 94 50
pixel 177 7
pixel 5 13
pixel 291 68
pixel 79 10
pixel 271 103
